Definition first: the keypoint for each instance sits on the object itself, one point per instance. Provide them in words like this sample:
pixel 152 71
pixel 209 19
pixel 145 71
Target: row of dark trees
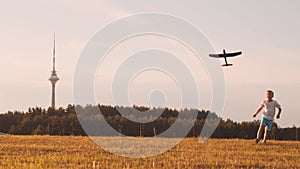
pixel 156 121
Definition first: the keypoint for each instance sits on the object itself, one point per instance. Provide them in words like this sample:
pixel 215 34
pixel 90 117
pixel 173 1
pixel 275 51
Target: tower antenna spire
pixel 54 53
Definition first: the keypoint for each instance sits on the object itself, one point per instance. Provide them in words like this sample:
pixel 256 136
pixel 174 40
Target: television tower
pixel 53 78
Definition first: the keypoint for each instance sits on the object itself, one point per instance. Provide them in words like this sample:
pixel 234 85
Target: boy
pixel 268 115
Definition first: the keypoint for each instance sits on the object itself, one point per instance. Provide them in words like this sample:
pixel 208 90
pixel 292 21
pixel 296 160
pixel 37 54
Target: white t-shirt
pixel 269 109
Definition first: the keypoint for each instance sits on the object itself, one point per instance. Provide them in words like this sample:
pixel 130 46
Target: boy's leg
pixel 266 134
pixel 259 133
pixel 267 130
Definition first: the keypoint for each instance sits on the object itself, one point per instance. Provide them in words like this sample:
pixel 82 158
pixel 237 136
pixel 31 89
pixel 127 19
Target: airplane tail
pixel 227 65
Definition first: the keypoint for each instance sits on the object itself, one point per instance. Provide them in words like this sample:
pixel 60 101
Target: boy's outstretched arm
pixel 258 110
pixel 279 112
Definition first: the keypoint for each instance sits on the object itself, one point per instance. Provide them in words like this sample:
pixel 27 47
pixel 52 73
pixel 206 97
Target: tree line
pixel 68 121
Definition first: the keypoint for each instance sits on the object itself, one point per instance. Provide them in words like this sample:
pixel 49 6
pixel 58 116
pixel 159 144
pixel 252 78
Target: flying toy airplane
pixel 225 55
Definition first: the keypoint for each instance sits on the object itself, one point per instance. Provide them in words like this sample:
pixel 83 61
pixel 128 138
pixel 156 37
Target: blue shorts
pixel 268 123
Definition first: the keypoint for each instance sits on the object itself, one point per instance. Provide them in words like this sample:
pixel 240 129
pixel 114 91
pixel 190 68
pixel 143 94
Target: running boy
pixel 269 106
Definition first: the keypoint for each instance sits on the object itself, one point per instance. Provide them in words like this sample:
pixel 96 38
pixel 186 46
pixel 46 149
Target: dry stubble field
pixel 80 152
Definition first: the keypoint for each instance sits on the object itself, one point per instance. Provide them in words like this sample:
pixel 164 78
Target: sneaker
pixel 264 142
pixel 256 140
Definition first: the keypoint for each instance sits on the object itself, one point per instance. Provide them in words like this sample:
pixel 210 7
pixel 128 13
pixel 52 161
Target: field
pixel 80 152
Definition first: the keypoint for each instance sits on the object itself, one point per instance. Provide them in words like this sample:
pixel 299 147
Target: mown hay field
pixel 81 152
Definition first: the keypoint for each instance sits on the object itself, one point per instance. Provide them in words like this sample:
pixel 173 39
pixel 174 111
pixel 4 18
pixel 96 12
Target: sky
pixel 267 32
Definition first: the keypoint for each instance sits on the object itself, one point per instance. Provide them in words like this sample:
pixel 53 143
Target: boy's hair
pixel 270 91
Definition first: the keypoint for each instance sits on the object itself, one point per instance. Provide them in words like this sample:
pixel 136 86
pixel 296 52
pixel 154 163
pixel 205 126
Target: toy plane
pixel 225 55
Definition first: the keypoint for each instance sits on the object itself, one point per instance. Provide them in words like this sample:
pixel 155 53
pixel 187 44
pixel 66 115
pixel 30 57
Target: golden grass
pixel 81 152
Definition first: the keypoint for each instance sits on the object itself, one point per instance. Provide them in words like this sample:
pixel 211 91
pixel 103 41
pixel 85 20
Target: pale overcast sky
pixel 266 31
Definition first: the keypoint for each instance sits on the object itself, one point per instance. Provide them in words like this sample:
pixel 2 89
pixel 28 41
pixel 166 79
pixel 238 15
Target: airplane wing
pixel 225 55
pixel 233 54
pixel 216 55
